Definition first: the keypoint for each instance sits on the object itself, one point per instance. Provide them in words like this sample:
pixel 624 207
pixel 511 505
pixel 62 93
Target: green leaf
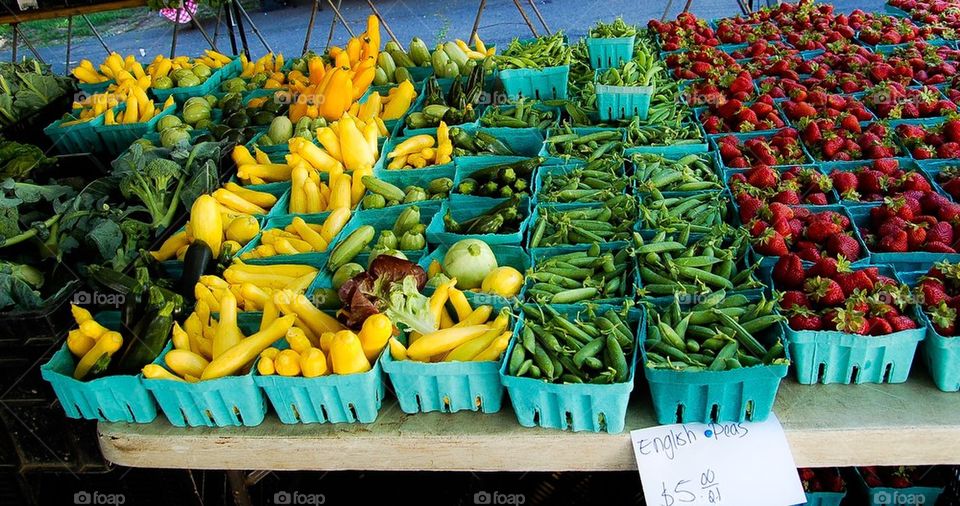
pixel 15 293
pixel 202 181
pixel 107 237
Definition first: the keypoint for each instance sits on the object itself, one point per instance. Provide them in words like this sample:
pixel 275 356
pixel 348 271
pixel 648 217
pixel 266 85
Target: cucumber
pixel 350 247
pixel 402 74
pixel 147 347
pixel 419 52
pixel 385 61
pixel 383 188
pixel 456 55
pixel 440 60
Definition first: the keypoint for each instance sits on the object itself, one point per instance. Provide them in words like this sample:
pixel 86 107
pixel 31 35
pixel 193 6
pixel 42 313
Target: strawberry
pixel 788 272
pixel 856 280
pixel 852 322
pixel 916 181
pixel 788 197
pixel 895 242
pixel 938 247
pixel 821 230
pixel 843 245
pixel 850 124
pixel 772 244
pixel 816 199
pixel 826 267
pixel 811 133
pixel 729 151
pixel 941 232
pixel 794 299
pixel 951 130
pixel 804 319
pixel 780 211
pixel 901 322
pixel 824 291
pixel 749 207
pixel 763 176
pixel 845 183
pixel 879 326
pixel 932 292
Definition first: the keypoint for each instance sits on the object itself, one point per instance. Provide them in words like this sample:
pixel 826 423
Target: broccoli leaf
pixel 32 193
pixel 9 221
pixel 106 236
pixel 203 180
pixel 16 293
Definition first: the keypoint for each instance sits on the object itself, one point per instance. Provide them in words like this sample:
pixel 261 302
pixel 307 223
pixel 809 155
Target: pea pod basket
pixel 737 383
pixel 119 398
pixel 572 404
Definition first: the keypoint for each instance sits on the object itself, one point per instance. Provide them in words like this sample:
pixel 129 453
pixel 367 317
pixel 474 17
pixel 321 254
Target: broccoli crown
pixel 9 222
pixel 163 172
pixel 151 185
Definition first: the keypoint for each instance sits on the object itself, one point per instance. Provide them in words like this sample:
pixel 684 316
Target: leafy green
pixel 17 160
pixel 406 305
pixel 27 87
pixel 16 293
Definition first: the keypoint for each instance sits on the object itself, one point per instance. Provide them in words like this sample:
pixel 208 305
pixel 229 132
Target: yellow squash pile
pixel 114 67
pixel 300 236
pixel 390 107
pixel 267 64
pixel 138 108
pixel 349 144
pixel 341 352
pixel 422 150
pixel 90 341
pixel 332 89
pixel 224 220
pixel 472 338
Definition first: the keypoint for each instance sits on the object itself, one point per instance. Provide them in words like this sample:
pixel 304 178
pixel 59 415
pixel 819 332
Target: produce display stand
pixel 826 425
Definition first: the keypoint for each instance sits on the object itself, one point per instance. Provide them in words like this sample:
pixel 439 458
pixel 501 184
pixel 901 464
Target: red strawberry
pixel 895 242
pixel 825 267
pixel 824 291
pixel 794 299
pixel 901 323
pixel 812 133
pixel 821 230
pixel 944 319
pixel 763 176
pixel 804 319
pixel 852 322
pixel 788 197
pixel 879 326
pixel 816 199
pixel 729 151
pixel 850 124
pixel 772 244
pixel 938 247
pixel 916 181
pixel 843 245
pixel 788 272
pixel 940 232
pixel 856 280
pixel 749 207
pixel 932 292
pixel 845 183
pixel 951 130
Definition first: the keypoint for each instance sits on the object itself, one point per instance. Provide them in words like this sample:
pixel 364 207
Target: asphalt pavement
pixel 432 20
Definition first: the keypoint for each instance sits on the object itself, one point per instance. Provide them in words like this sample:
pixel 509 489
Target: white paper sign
pixel 734 464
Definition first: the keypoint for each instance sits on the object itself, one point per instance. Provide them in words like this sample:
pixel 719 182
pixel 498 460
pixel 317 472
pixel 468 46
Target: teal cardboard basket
pixel 888 496
pixel 94 88
pixel 181 94
pixel 838 357
pixel 77 138
pixel 736 395
pixel 539 255
pixel 624 102
pixel 507 256
pixel 522 141
pixel 467 165
pixel 314 259
pixel 447 387
pixel 542 84
pixel 575 407
pixel 467 208
pixel 383 219
pixel 610 52
pixel 222 402
pixel 942 356
pixel 825 498
pixel 120 398
pixel 332 398
pixel 902 262
pixel 117 138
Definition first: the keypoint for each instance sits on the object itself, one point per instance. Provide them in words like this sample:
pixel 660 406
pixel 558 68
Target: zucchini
pixel 145 347
pixel 350 247
pixel 383 188
pixel 409 218
pixel 196 263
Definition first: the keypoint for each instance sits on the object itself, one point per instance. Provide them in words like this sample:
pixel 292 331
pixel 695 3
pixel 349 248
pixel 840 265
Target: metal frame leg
pixel 176 30
pixel 26 41
pixel 476 21
pixel 69 40
pixel 96 33
pixel 336 11
pixel 666 11
pixel 525 18
pixel 16 43
pixel 240 29
pixel 253 26
pixel 203 32
pixel 309 34
pixel 536 11
pixel 231 28
pixel 333 24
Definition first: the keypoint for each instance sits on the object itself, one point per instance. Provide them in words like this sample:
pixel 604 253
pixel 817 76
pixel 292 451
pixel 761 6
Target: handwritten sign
pixel 734 464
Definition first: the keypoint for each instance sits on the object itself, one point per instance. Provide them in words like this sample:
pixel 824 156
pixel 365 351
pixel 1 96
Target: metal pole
pixel 686 8
pixel 69 37
pixel 176 30
pixel 256 31
pixel 536 10
pixel 383 22
pixel 333 26
pixel 96 33
pixel 476 21
pixel 216 29
pixel 309 34
pixel 526 19
pixel 240 29
pixel 336 10
pixel 16 37
pixel 666 11
pixel 16 28
pixel 203 32
pixel 231 25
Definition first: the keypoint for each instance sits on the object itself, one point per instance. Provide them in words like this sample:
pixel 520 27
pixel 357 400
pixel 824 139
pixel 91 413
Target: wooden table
pixel 826 425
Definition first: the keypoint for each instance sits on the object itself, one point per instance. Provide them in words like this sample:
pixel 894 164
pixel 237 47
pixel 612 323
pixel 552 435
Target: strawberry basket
pixel 832 356
pixel 570 406
pixel 117 398
pixel 905 261
pixel 879 178
pixel 880 495
pixel 940 353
